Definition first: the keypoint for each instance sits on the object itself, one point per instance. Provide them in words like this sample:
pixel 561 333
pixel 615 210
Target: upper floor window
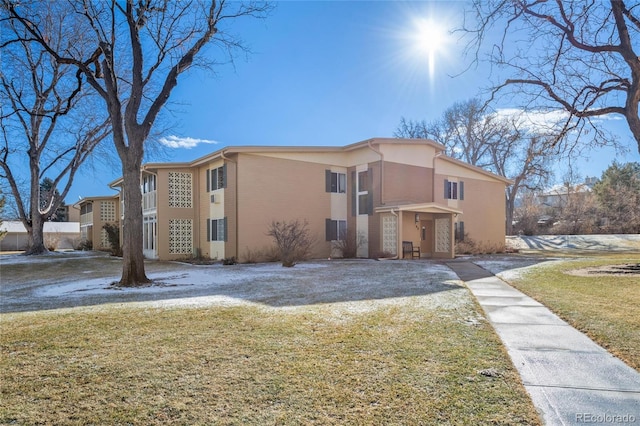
pixel 216 178
pixel 86 208
pixel 148 183
pixel 363 181
pixel 336 182
pixel 453 190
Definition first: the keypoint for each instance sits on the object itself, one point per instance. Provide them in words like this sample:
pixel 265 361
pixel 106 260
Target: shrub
pixel 51 241
pixel 229 261
pixel 113 235
pixel 293 240
pixel 349 243
pixel 83 244
pixel 470 246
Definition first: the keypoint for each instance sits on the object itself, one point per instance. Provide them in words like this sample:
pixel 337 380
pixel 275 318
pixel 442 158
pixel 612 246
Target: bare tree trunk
pixel 35 235
pixel 133 272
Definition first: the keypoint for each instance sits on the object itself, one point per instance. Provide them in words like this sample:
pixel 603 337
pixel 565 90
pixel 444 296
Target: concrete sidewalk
pixel 571 379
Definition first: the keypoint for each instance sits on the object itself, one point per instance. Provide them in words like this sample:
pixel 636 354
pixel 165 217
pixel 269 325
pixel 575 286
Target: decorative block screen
pixel 104 239
pixel 180 193
pixel 108 211
pixel 180 236
pixel 389 234
pixel 443 235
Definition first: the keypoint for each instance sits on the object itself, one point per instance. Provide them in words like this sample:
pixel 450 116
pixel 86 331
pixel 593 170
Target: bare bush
pixel 470 246
pixel 293 240
pixel 349 243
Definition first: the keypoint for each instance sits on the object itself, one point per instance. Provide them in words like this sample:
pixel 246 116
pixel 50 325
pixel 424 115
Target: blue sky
pixel 326 73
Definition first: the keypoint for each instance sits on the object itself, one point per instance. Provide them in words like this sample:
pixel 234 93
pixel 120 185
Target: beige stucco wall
pixel 275 189
pixel 483 206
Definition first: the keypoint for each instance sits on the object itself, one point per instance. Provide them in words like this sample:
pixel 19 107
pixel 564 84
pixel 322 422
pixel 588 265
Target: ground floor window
pixel 149 232
pixel 336 230
pixel 217 229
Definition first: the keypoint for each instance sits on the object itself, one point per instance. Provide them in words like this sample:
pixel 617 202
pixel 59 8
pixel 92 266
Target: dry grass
pixel 398 364
pixel 606 308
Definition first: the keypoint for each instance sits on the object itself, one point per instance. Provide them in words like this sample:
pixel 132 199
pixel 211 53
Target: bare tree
pixel 292 239
pixel 579 56
pixel 45 124
pixel 504 144
pixel 465 129
pixel 138 51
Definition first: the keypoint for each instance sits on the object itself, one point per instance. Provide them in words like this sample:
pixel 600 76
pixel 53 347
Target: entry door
pixel 426 237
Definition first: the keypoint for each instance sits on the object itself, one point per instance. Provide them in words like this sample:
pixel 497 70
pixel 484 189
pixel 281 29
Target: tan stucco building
pixel 94 213
pixel 388 190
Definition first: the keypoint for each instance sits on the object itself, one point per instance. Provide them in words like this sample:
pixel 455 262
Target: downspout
pixel 370 145
pixel 236 198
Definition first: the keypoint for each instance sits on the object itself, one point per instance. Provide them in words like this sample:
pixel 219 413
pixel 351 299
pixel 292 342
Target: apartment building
pixel 94 213
pixel 386 191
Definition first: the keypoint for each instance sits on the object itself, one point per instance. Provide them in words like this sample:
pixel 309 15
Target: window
pixel 148 183
pixel 86 208
pixel 217 230
pixel 363 204
pixel 459 231
pixel 216 178
pixel 363 181
pixel 336 230
pixel 453 190
pixel 336 182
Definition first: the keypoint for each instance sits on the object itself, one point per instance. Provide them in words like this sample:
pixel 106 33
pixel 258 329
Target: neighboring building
pixel 57 235
pixel 558 196
pixel 387 190
pixel 94 213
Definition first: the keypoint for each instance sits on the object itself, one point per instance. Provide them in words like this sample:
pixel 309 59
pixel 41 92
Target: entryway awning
pixel 419 208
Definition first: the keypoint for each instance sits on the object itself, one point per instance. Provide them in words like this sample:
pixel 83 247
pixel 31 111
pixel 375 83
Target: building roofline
pixel 477 169
pixel 297 148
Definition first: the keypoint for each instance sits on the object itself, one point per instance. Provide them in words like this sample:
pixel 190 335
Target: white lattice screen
pixel 389 234
pixel 180 236
pixel 180 193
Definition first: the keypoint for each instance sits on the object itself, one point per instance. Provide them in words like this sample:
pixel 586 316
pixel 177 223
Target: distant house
pixel 385 190
pixel 57 235
pixel 558 196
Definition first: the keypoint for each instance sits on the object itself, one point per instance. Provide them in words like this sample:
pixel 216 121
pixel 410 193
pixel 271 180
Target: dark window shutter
pixel 446 189
pixel 208 183
pixel 329 229
pixel 224 175
pixel 226 230
pixel 370 195
pixel 461 189
pixel 208 228
pixel 461 231
pixel 354 193
pixel 327 180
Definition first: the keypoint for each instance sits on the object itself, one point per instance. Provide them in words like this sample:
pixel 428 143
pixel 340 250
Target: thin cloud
pixel 183 142
pixel 537 120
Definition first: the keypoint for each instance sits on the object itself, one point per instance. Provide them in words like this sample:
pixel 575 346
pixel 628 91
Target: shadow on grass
pixel 322 282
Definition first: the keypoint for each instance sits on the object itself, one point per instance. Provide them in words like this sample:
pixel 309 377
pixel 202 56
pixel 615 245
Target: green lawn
pixel 606 308
pixel 400 363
